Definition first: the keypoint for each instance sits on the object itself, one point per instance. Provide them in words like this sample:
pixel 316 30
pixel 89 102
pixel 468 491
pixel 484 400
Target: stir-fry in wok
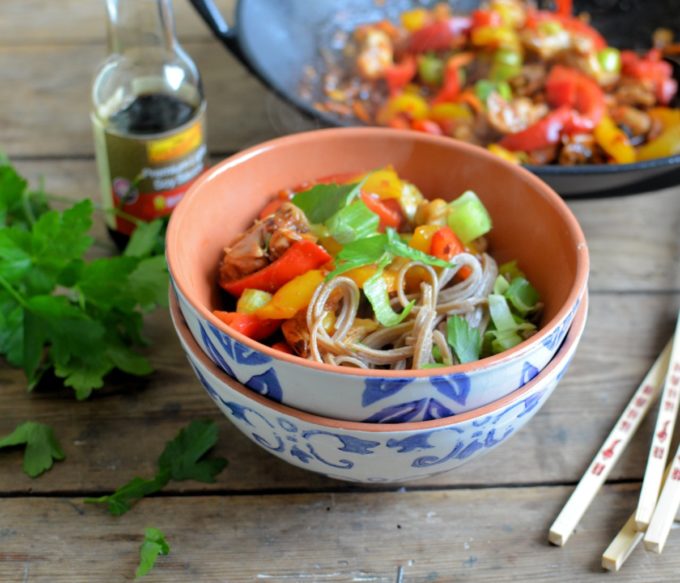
pixel 533 86
pixel 365 272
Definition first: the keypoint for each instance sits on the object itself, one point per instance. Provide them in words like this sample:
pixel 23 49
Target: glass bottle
pixel 148 115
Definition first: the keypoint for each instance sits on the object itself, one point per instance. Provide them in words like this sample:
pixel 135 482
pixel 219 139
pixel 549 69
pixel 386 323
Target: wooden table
pixel 264 520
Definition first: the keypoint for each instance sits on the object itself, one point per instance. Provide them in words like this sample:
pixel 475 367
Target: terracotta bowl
pixel 376 452
pixel 531 224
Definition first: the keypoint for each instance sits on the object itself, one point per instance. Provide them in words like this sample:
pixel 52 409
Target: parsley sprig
pixel 82 318
pixel 153 546
pixel 42 446
pixel 182 459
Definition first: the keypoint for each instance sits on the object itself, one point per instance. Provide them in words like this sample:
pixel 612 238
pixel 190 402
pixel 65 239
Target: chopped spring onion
pixel 355 221
pixel 610 60
pixel 430 69
pixel 501 341
pixel 375 289
pixel 501 285
pixel 511 270
pixel 484 88
pixel 522 295
pixel 251 300
pixel 500 313
pixel 465 341
pixel 468 217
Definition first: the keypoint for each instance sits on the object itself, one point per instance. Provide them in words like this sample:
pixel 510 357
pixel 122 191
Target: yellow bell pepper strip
pixel 666 116
pixel 494 37
pixel 414 106
pixel 450 111
pixel 415 19
pixel 385 183
pixel 501 152
pixel 667 144
pixel 292 297
pixel 360 275
pixel 422 237
pixel 614 141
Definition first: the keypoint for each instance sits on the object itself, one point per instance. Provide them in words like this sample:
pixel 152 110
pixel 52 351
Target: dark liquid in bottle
pixel 152 113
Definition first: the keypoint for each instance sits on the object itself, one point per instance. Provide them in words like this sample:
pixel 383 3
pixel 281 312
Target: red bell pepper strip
pixel 388 210
pixel 249 324
pixel 566 86
pixel 440 35
pixel 651 68
pixel 270 208
pixel 400 74
pixel 486 18
pixel 564 7
pixel 428 126
pixel 452 83
pixel 446 245
pixel 299 258
pixel 543 133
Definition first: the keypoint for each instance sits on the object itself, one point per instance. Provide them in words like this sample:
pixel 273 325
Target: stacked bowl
pixel 377 425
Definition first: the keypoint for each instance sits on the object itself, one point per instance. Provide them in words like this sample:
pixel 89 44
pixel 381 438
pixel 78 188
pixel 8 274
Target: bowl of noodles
pixel 375 452
pixel 374 275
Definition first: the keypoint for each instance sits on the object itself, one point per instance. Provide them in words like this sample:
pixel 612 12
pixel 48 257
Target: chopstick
pixel 666 508
pixel 663 432
pixel 611 450
pixel 625 541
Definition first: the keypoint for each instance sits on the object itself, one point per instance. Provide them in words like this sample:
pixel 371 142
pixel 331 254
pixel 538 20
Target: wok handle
pixel 220 28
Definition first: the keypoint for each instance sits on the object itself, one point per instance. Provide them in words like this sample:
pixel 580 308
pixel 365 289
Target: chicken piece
pixel 546 44
pixel 510 117
pixel 637 121
pixel 577 149
pixel 376 53
pixel 635 92
pixel 530 80
pixel 432 212
pixel 264 242
pixel 543 155
pixel 296 333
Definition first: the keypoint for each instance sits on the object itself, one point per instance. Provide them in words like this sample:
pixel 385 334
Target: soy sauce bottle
pixel 148 116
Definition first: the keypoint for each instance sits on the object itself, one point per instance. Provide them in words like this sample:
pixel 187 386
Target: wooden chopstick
pixel 622 546
pixel 663 432
pixel 666 508
pixel 624 542
pixel 611 450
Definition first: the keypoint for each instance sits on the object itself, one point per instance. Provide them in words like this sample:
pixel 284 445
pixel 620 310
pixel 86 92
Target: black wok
pixel 277 39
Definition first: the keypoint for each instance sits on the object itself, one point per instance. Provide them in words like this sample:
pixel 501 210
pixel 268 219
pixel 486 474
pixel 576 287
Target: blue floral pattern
pixel 421 410
pixel 235 357
pixel 339 454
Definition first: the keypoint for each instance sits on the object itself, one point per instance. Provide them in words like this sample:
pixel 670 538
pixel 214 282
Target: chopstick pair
pixel 655 512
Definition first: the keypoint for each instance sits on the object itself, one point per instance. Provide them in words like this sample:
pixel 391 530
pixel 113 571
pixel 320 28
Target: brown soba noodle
pixel 408 345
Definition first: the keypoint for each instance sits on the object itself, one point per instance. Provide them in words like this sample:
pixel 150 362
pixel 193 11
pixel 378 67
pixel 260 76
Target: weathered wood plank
pixel 102 436
pixel 496 535
pixel 633 241
pixel 82 22
pixel 46 105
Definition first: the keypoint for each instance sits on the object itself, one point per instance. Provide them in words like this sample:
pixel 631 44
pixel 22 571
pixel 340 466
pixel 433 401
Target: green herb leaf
pixel 124 497
pixel 322 201
pixel 58 310
pixel 465 341
pixel 154 546
pixel 397 247
pixel 42 446
pixel 145 239
pixel 182 459
pixel 182 456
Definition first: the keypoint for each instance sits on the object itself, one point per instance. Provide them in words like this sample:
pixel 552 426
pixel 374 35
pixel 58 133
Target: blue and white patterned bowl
pixel 373 452
pixel 531 224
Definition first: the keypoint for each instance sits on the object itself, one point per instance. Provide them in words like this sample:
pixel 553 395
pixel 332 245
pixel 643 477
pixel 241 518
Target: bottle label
pixel 145 177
